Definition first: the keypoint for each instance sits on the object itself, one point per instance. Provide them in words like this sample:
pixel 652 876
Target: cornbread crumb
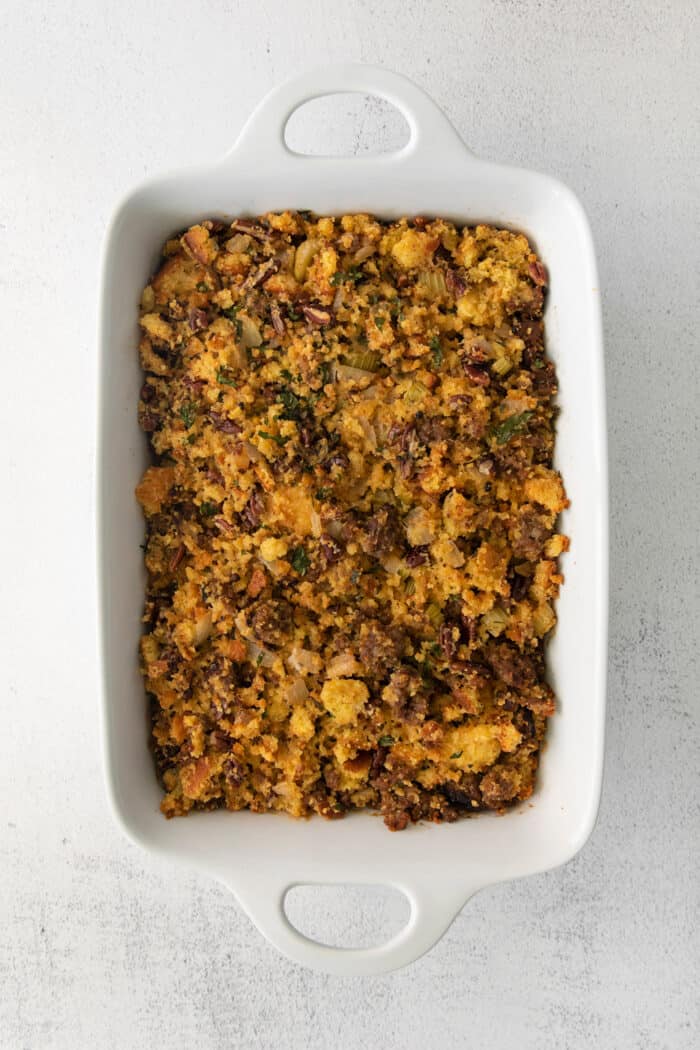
pixel 344 698
pixel 271 549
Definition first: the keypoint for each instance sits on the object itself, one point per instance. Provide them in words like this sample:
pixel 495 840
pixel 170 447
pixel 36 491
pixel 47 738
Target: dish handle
pixel 433 908
pixel 432 138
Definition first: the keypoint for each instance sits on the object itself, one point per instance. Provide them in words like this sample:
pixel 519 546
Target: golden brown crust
pixel 351 546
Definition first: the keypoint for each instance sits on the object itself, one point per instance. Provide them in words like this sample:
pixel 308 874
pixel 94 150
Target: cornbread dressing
pixel 351 546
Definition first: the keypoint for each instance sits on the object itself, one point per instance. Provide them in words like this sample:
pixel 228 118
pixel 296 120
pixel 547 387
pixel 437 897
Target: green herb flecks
pixel 386 741
pixel 354 275
pixel 224 379
pixel 456 754
pixel 299 560
pixel 231 312
pixel 208 510
pixel 188 414
pixel 436 348
pixel 324 370
pixel 322 494
pixel 504 431
pixel 202 287
pixel 379 321
pixel 292 405
pixel 277 438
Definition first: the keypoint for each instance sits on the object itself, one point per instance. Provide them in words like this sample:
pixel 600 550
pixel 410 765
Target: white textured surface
pixel 103 946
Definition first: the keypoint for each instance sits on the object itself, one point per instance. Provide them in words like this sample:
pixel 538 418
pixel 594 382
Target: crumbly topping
pixel 351 546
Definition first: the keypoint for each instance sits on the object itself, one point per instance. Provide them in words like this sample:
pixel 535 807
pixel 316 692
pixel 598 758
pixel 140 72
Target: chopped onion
pixel 257 653
pixel 392 563
pixel 495 620
pixel 452 554
pixel 254 454
pixel 304 661
pixel 238 243
pixel 296 692
pixel 344 665
pixel 479 347
pixel 514 405
pixel 419 528
pixel 368 431
pixel 345 372
pixel 250 333
pixel 363 253
pixel 202 629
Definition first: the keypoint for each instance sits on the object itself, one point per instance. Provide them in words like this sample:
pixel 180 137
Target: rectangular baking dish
pixel 261 857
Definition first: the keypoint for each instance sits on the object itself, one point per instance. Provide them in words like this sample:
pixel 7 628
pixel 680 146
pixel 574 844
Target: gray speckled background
pixel 102 946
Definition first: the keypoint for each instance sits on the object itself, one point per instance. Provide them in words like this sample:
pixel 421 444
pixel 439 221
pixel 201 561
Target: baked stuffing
pixel 351 545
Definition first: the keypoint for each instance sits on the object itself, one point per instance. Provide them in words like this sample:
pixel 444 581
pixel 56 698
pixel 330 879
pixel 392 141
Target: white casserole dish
pixel 261 857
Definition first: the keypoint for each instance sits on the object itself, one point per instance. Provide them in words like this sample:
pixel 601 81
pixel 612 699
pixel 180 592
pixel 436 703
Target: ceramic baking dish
pixel 261 856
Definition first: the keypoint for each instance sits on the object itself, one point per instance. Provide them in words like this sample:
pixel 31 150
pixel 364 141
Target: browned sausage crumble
pixel 351 544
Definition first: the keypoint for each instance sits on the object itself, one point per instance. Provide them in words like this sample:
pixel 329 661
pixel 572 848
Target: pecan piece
pixel 329 549
pixel 316 316
pixel 477 375
pixel 148 421
pixel 219 741
pixel 277 319
pixel 418 556
pixel 253 510
pixel 338 459
pixel 260 275
pixel 253 229
pixel 450 636
pixel 226 426
pixel 538 273
pixel 176 558
pixel 456 285
pixel 197 319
